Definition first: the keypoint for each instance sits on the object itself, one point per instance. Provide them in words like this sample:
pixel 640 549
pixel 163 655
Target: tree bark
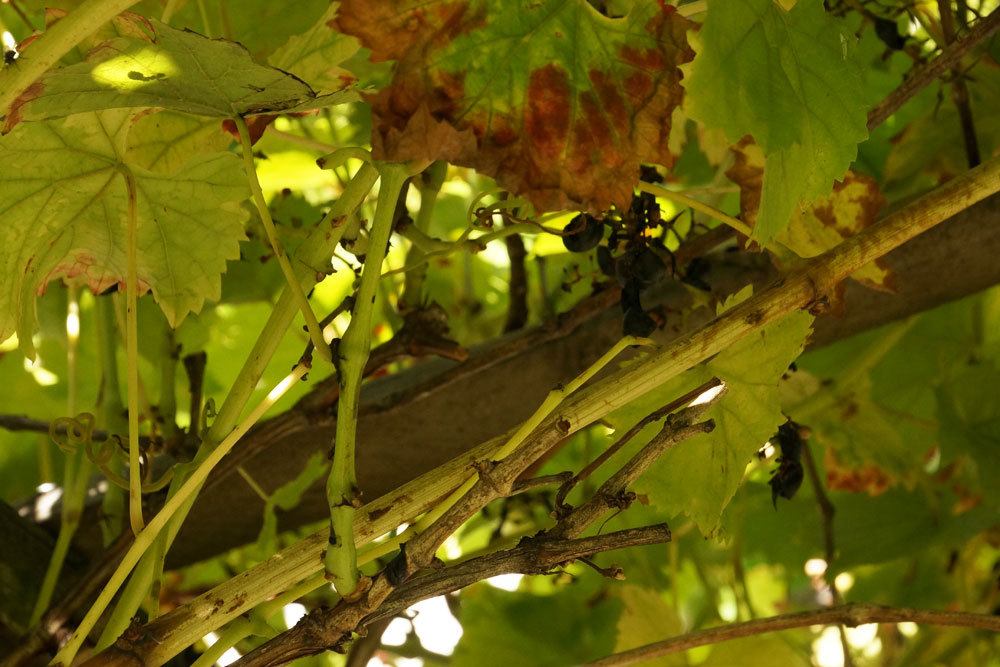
pixel 418 419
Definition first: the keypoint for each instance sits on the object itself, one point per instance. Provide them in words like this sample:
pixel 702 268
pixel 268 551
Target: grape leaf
pixel 555 101
pixel 154 65
pixel 645 619
pixel 761 651
pixel 316 54
pixel 854 205
pixel 163 141
pixel 699 476
pixel 502 628
pixel 790 80
pixel 67 217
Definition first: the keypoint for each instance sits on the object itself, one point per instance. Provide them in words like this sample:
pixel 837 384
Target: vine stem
pixel 146 537
pixel 552 401
pixel 850 615
pixel 58 40
pixel 76 467
pixel 316 251
pixel 243 627
pixel 691 202
pixel 340 560
pixel 312 324
pixel 132 355
pixel 802 288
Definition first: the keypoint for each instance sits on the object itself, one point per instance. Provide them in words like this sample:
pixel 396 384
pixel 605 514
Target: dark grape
pixel 583 233
pixel 647 266
pixel 694 274
pixel 637 322
pixel 889 34
pixel 630 296
pixel 605 261
pixel 787 478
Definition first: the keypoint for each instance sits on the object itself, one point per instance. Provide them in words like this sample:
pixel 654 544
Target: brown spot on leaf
pixel 546 114
pixel 564 134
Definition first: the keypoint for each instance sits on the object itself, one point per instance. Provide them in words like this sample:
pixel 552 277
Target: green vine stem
pixel 188 623
pixel 76 471
pixel 429 185
pixel 132 355
pixel 312 324
pixel 187 490
pixel 315 257
pixel 58 40
pixel 110 406
pixel 243 627
pixel 341 488
pixel 552 401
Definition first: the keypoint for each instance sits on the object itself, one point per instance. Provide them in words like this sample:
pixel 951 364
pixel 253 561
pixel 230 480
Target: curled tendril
pixel 72 433
pixel 69 433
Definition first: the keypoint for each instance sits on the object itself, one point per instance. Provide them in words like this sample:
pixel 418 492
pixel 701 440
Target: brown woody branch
pixel 949 58
pixel 850 615
pixel 537 555
pixel 325 628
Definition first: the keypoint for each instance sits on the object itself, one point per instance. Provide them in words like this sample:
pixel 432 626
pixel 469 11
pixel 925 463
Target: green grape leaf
pixel 316 55
pixel 165 140
pixel 154 65
pixel 762 651
pixel 790 80
pixel 700 476
pixel 565 123
pixel 970 422
pixel 502 628
pixel 645 619
pixel 67 218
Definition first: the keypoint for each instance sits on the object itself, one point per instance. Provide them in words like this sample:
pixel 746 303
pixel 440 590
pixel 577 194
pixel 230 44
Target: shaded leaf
pixel 565 123
pixel 790 80
pixel 154 65
pixel 502 628
pixel 645 619
pixel 67 218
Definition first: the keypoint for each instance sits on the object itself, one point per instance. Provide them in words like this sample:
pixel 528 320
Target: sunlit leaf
pixel 67 219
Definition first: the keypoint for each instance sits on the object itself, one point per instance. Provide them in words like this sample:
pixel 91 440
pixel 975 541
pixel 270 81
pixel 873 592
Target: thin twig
pixel 613 493
pixel 328 627
pixel 918 80
pixel 960 91
pixel 827 512
pixel 850 615
pixel 517 309
pixel 631 433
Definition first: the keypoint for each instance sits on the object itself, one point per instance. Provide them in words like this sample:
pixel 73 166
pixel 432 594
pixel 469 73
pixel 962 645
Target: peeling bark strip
pixel 563 136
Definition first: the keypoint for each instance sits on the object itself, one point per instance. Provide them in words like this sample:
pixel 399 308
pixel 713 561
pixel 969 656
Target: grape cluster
pixel 630 257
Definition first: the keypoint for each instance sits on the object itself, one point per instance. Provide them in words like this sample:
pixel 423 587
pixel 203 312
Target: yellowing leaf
pixel 645 619
pixel 854 204
pixel 67 217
